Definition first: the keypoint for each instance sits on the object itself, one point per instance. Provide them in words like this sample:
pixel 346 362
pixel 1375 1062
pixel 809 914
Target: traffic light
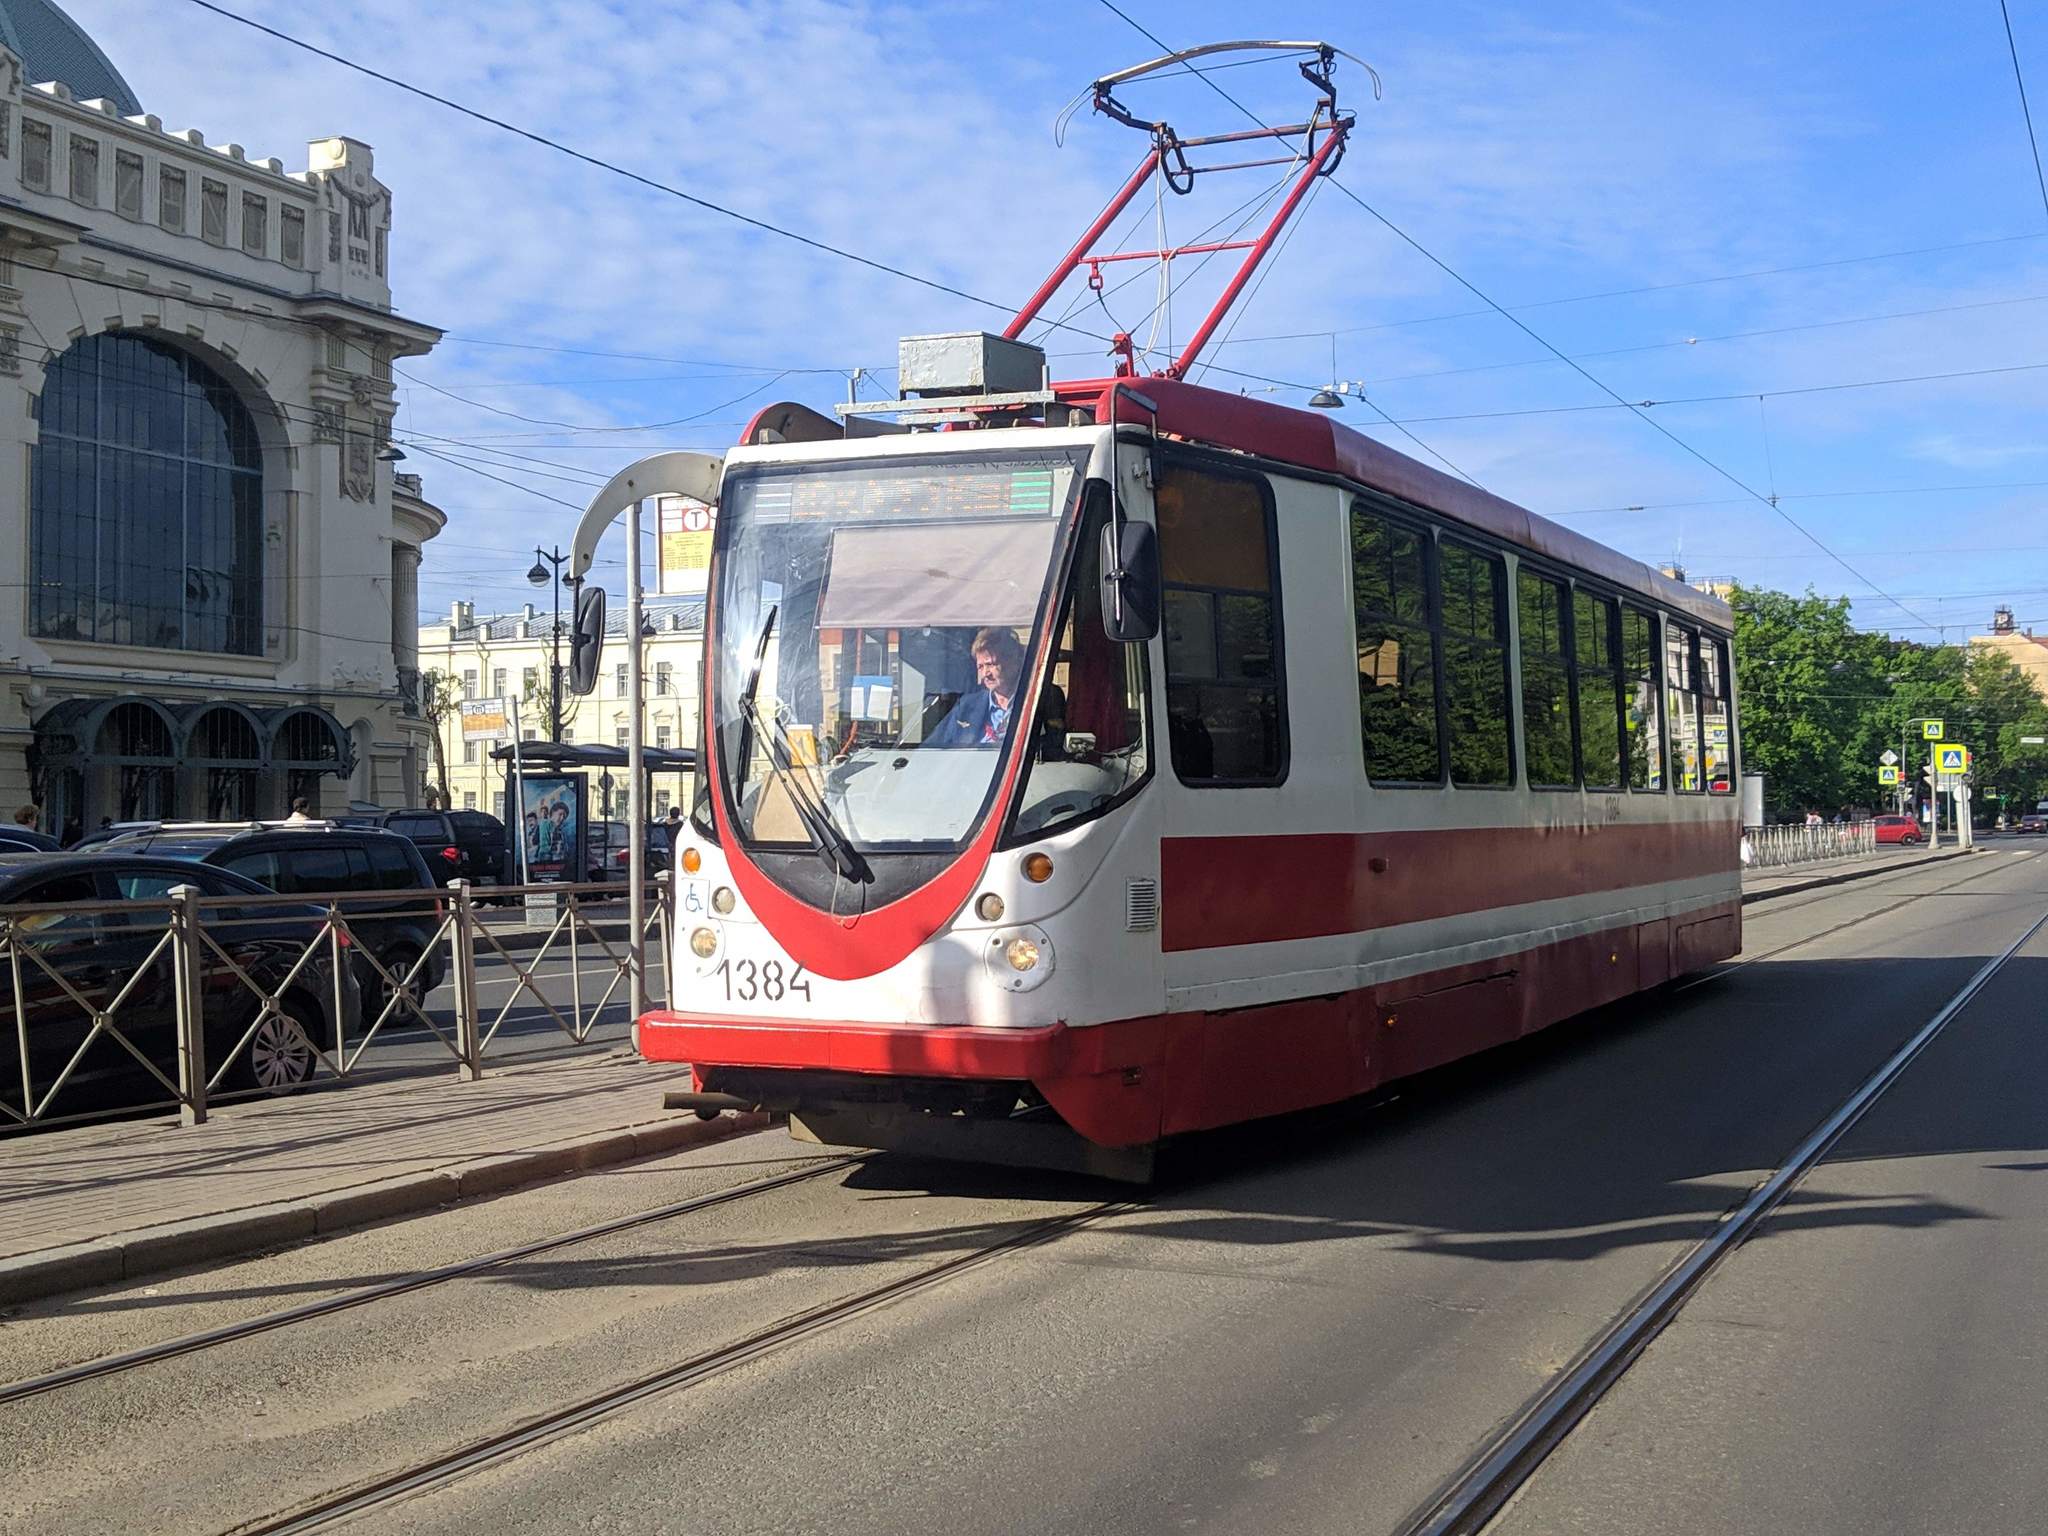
pixel 586 639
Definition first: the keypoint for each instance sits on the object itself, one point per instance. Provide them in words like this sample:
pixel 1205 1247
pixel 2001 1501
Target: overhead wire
pixel 1526 330
pixel 2027 112
pixel 611 167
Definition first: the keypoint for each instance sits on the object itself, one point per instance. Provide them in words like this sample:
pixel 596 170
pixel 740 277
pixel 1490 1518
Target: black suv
pixel 469 844
pixel 98 953
pixel 398 923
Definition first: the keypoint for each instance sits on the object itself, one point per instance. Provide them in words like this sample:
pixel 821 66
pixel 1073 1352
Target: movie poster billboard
pixel 550 820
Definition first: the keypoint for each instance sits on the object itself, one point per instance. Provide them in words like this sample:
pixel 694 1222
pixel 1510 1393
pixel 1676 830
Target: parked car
pixel 2033 821
pixel 21 839
pixel 468 845
pixel 104 955
pixel 1895 829
pixel 618 855
pixel 398 923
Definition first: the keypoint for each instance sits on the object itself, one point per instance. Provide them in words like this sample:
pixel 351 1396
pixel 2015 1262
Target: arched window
pixel 146 489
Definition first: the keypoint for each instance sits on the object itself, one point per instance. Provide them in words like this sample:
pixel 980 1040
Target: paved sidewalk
pixel 1761 885
pixel 94 1204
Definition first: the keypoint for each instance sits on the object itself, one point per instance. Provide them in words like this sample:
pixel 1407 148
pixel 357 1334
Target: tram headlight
pixel 1018 959
pixel 723 900
pixel 703 942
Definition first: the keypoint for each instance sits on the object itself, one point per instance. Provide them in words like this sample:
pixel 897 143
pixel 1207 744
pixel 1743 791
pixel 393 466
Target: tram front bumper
pixel 1105 1080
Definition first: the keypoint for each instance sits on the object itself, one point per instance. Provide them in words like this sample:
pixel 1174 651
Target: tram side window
pixel 1593 653
pixel 1714 728
pixel 1546 682
pixel 1475 631
pixel 1644 700
pixel 1681 684
pixel 1396 649
pixel 1226 715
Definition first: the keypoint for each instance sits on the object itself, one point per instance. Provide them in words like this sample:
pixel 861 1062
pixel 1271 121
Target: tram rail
pixel 406 1285
pixel 1467 1501
pixel 432 1472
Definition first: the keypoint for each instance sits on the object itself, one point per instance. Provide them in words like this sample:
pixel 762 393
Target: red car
pixel 1896 829
pixel 2033 821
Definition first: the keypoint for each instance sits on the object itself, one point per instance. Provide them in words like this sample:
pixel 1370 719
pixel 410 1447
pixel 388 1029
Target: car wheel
pixel 278 1060
pixel 399 962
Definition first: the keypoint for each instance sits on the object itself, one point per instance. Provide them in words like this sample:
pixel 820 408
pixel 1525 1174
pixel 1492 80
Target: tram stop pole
pixel 636 778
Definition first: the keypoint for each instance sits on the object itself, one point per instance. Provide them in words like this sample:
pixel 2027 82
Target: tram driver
pixel 982 717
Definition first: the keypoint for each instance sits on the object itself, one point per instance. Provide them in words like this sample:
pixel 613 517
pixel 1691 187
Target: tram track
pixel 390 1488
pixel 1864 917
pixel 406 1285
pixel 1483 1487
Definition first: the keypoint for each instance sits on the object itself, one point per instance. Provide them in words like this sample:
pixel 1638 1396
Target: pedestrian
pixel 301 809
pixel 30 816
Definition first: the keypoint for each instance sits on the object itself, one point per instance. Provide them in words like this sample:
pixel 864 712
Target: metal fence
pixel 183 1000
pixel 1789 846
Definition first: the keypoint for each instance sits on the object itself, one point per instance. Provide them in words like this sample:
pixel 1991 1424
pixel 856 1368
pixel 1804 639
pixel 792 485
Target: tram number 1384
pixel 768 981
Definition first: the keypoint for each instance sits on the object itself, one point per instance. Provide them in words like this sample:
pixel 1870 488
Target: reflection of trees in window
pixel 1396 649
pixel 1641 699
pixel 1546 681
pixel 1224 713
pixel 1599 693
pixel 146 495
pixel 1475 630
pixel 1681 671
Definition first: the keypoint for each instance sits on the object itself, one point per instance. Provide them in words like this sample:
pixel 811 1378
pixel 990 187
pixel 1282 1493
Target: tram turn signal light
pixel 703 943
pixel 1021 953
pixel 692 861
pixel 1037 869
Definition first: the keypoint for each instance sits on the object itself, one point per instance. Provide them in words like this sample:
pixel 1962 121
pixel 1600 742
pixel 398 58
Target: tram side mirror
pixel 1130 581
pixel 586 640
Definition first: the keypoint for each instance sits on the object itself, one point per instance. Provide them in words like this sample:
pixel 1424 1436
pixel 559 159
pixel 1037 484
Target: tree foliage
pixel 1821 701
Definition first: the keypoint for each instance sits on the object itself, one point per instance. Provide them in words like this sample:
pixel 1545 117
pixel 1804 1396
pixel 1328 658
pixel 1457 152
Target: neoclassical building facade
pixel 216 605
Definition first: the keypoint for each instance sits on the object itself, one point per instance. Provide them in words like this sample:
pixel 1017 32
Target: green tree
pixel 1810 687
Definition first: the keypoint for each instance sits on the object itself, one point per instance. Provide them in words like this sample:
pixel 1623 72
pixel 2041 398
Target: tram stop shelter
pixel 591 777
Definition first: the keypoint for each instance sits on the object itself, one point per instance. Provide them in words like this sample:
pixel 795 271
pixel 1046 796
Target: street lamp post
pixel 539 576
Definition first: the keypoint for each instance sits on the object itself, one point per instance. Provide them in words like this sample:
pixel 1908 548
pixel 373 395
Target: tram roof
pixel 1312 440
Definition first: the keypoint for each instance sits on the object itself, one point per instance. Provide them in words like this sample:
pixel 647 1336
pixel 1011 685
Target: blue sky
pixel 1545 155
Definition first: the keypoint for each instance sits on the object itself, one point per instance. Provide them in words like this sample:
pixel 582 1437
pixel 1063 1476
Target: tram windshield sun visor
pixel 876 632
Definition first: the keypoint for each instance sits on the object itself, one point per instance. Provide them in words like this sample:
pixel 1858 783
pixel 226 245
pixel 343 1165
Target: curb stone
pixel 1854 874
pixel 232 1234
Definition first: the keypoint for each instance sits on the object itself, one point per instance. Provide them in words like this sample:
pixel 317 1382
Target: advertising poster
pixel 551 816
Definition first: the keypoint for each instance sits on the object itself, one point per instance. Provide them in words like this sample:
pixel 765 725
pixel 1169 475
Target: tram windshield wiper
pixel 827 838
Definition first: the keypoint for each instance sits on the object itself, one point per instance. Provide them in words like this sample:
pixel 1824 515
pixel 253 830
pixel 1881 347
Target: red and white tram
pixel 1145 758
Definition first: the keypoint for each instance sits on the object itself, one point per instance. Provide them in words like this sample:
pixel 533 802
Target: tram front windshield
pixel 876 626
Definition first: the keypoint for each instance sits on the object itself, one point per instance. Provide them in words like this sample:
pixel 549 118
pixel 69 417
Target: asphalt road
pixel 1308 1326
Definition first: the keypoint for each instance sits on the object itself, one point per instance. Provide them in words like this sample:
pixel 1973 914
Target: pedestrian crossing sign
pixel 1887 774
pixel 1952 759
pixel 1930 730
